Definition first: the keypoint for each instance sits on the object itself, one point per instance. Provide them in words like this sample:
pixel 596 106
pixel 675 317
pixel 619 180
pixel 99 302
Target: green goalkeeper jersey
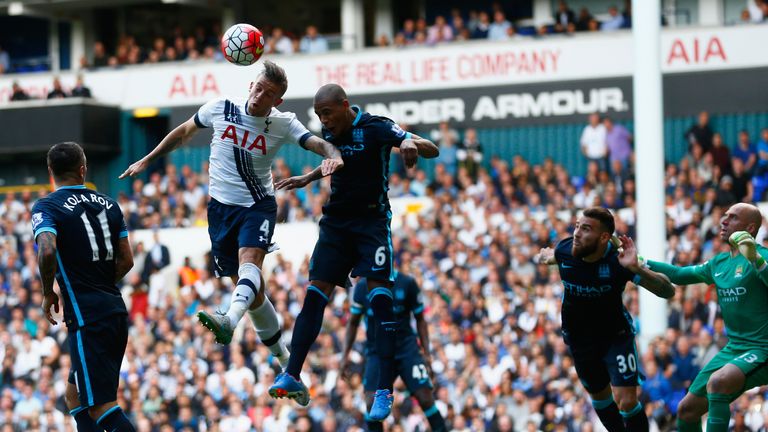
pixel 742 292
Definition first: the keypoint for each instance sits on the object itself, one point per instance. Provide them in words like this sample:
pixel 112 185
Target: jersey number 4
pixel 92 235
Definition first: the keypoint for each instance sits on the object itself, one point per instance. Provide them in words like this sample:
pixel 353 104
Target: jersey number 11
pixel 102 216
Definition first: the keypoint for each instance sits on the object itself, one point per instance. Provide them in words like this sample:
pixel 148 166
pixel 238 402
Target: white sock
pixel 245 292
pixel 264 318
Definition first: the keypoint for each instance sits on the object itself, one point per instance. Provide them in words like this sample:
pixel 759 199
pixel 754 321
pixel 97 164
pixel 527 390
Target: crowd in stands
pixel 500 363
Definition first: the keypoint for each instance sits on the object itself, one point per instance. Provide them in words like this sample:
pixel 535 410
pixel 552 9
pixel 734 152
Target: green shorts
pixel 751 360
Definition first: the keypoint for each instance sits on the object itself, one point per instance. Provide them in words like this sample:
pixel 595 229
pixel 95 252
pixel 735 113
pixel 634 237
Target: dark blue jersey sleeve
pixel 42 218
pixel 389 133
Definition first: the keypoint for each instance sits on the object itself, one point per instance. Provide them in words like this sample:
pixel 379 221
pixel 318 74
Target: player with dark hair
pixel 242 211
pixel 412 363
pixel 354 235
pixel 83 244
pixel 741 279
pixel 596 325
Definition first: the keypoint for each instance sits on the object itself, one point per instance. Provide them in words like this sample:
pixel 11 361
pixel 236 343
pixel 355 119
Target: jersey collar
pixel 71 187
pixel 608 249
pixel 359 112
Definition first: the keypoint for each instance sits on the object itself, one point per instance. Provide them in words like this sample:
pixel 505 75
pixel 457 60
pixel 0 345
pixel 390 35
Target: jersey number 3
pixel 92 235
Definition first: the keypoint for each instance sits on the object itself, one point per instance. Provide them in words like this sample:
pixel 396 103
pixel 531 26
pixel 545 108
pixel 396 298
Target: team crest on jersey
pixel 357 135
pixel 399 294
pixel 604 272
pixel 739 271
pixel 37 219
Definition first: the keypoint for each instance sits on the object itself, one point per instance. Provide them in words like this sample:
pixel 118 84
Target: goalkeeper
pixel 741 280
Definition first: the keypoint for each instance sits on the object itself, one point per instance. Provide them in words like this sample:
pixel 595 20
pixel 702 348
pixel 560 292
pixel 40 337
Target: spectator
pixel 158 257
pixel 564 17
pixel 440 31
pixel 313 42
pixel 685 364
pixel 615 20
pixel 18 93
pixel 57 92
pixel 582 24
pixel 498 29
pixel 619 142
pixel 593 142
pixel 482 27
pixel 446 139
pixel 762 153
pixel 470 153
pixel 383 41
pixel 100 57
pixel 741 181
pixel 80 90
pixel 409 30
pixel 721 156
pixel 5 61
pixel 700 133
pixel 656 385
pixel 279 43
pixel 745 151
pixel 755 10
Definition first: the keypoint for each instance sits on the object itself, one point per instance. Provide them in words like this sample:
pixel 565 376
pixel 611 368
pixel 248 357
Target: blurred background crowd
pixel 499 361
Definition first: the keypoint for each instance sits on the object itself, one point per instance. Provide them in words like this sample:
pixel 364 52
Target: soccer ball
pixel 242 44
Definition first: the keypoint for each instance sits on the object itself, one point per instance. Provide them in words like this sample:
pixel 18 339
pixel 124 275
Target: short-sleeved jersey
pixel 592 304
pixel 88 226
pixel 742 295
pixel 243 148
pixel 407 300
pixel 361 187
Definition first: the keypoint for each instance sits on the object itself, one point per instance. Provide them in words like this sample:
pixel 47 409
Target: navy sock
pixel 608 413
pixel 114 420
pixel 635 420
pixel 306 329
pixel 435 419
pixel 380 300
pixel 84 421
pixel 374 426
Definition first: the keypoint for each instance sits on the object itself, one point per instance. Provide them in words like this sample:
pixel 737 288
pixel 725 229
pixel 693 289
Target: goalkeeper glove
pixel 745 244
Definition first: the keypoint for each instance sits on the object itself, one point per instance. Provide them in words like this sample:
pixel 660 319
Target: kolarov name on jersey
pixel 74 200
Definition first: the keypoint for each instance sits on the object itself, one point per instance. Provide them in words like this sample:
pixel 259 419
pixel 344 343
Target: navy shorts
pixel 411 368
pixel 97 351
pixel 234 227
pixel 362 245
pixel 601 362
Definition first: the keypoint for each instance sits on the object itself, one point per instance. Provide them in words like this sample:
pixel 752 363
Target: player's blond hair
pixel 275 74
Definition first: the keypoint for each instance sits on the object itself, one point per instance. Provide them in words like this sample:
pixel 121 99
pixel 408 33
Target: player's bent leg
pixel 689 412
pixel 631 409
pixel 110 417
pixel 373 426
pixel 721 386
pixel 84 421
pixel 427 403
pixel 607 410
pixel 305 331
pixel 262 313
pixel 380 299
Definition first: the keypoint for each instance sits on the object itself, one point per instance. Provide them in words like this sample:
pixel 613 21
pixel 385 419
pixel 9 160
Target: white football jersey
pixel 243 147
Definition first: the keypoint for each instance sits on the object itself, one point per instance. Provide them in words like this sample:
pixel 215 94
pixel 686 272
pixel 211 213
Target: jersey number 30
pixel 92 235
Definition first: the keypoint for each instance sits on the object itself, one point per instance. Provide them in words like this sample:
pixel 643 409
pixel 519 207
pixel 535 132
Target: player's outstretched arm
pixel 46 262
pixel 349 340
pixel 332 162
pixel 298 182
pixel 545 256
pixel 171 142
pixel 124 259
pixel 656 283
pixel 422 329
pixel 416 146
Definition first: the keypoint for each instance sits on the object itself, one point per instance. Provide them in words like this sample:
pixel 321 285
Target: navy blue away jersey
pixel 406 300
pixel 362 185
pixel 592 304
pixel 88 226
